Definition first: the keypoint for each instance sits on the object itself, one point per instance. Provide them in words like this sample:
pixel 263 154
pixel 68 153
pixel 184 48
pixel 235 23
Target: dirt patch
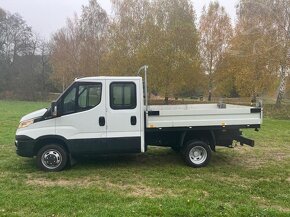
pixel 263 203
pixel 255 160
pixel 280 208
pixel 61 182
pixel 141 190
pixel 135 190
pixel 205 193
pixel 260 200
pixel 235 180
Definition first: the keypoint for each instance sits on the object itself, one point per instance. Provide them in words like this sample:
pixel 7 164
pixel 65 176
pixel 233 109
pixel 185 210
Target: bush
pixel 282 112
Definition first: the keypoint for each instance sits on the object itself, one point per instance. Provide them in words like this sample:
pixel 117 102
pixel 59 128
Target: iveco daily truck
pixel 107 115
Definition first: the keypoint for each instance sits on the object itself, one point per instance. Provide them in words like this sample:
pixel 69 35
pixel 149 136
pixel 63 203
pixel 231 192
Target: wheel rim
pixel 198 155
pixel 51 159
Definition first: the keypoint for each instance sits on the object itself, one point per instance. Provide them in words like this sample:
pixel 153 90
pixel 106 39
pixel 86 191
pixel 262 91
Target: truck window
pixel 69 102
pixel 123 95
pixel 89 96
pixel 82 97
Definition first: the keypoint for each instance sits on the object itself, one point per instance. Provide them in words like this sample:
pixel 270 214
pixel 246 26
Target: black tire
pixel 196 153
pixel 51 158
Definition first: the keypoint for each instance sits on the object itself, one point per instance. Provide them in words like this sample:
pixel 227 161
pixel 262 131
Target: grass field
pixel 242 181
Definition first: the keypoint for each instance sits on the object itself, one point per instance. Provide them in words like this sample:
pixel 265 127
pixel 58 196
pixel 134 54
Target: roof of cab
pixel 115 78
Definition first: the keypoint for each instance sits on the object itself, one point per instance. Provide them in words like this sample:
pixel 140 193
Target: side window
pixel 89 96
pixel 82 97
pixel 123 95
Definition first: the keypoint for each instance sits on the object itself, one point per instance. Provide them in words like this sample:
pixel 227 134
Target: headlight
pixel 25 123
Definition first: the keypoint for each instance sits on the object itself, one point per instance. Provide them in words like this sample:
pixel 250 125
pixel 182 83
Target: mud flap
pixel 245 141
pixel 71 161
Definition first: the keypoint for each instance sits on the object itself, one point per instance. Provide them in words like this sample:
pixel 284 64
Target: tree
pixel 161 34
pixel 215 34
pixel 255 49
pixel 93 29
pixel 175 47
pixel 44 66
pixel 65 54
pixel 280 11
pixel 128 33
pixel 17 52
pixel 78 48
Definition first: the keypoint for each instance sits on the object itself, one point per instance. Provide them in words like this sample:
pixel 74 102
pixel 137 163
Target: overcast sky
pixel 47 16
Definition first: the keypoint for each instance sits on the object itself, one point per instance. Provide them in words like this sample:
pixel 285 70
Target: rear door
pixel 123 116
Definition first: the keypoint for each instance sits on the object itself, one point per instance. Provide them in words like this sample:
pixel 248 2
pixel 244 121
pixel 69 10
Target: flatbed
pixel 200 115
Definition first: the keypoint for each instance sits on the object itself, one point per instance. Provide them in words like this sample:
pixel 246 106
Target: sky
pixel 47 16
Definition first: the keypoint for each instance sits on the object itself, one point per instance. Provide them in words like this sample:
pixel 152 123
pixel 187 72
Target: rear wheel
pixel 197 153
pixel 51 158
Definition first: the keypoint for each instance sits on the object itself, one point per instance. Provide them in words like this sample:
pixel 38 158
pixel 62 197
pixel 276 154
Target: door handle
pixel 102 121
pixel 133 120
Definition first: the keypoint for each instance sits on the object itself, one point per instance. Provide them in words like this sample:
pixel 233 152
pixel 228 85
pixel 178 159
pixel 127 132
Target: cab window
pixel 82 97
pixel 123 95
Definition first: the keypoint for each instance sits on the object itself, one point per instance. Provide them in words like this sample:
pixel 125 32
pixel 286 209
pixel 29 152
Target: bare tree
pixel 78 48
pixel 17 48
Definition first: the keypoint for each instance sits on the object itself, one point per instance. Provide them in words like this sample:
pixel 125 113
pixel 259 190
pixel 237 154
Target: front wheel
pixel 51 158
pixel 197 153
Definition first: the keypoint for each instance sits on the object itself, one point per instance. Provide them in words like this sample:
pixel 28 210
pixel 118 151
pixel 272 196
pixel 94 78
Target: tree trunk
pixel 166 100
pixel 254 99
pixel 282 87
pixel 209 95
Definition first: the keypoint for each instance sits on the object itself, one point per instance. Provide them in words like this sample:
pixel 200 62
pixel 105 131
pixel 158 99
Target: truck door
pixel 124 119
pixel 83 117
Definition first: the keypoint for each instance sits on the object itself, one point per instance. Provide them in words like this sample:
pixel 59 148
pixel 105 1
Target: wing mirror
pixel 54 112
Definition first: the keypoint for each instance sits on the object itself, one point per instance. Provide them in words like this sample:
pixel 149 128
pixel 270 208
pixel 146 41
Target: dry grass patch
pixel 62 182
pixel 141 190
pixel 235 180
pixel 135 190
pixel 263 203
pixel 249 158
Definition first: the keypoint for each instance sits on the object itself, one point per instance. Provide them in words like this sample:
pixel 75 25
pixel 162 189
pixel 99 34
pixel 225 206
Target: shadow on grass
pixel 154 158
pixel 166 157
pixel 157 158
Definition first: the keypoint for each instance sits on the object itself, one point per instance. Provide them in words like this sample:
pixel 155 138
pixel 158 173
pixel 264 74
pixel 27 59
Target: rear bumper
pixel 24 146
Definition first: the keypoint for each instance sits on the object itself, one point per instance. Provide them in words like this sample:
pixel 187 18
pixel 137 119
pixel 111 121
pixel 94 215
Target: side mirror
pixel 53 109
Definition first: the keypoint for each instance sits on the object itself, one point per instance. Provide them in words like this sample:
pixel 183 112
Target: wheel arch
pixel 50 139
pixel 207 136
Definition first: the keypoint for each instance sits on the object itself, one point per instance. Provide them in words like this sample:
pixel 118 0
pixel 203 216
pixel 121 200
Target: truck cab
pixel 96 115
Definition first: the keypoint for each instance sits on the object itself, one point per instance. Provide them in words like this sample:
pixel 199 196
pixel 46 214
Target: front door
pixel 83 118
pixel 123 116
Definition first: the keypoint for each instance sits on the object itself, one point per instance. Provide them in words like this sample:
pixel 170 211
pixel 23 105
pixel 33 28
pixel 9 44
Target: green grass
pixel 242 181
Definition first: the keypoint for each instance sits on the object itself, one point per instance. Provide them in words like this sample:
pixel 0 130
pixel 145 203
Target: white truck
pixel 107 115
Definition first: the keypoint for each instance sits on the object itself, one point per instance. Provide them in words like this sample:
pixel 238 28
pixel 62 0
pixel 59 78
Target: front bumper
pixel 24 146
